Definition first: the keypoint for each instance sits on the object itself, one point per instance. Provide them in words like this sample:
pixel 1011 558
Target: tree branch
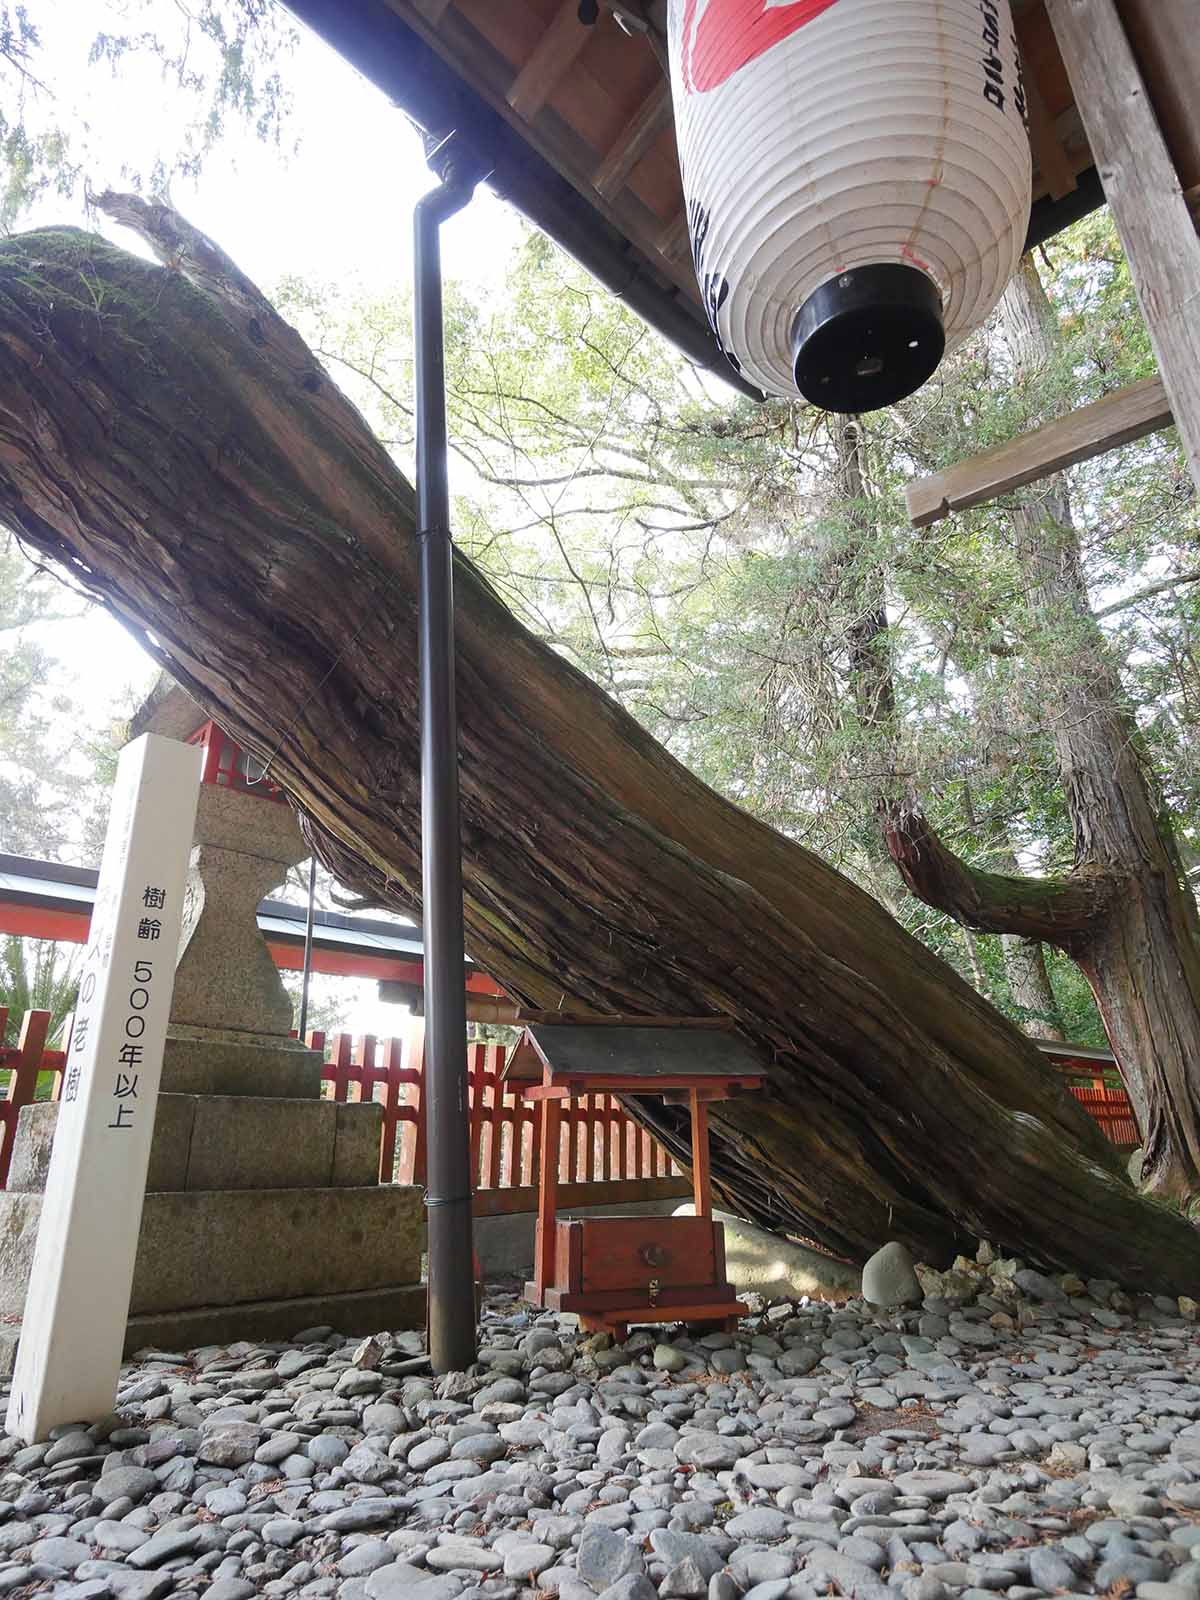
pixel 1058 911
pixel 1151 589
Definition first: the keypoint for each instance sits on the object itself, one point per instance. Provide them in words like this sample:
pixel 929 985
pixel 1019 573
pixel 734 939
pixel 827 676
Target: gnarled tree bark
pixel 173 444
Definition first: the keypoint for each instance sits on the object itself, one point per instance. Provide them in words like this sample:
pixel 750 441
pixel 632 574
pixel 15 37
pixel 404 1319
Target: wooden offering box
pixel 614 1271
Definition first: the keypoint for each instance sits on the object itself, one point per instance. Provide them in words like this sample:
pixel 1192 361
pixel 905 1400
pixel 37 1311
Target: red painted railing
pixel 604 1157
pixel 228 766
pixel 24 1061
pixel 1106 1102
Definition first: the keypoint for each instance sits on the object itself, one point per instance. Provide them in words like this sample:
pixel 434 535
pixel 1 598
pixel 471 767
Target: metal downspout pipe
pixel 452 1316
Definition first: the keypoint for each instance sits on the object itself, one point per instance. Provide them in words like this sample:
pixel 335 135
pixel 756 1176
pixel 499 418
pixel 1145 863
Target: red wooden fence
pixel 24 1061
pixel 1107 1102
pixel 604 1157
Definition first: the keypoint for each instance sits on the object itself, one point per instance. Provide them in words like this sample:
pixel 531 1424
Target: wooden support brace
pixel 558 47
pixel 1144 193
pixel 1053 162
pixel 673 240
pixel 433 10
pixel 543 1271
pixel 634 140
pixel 701 1176
pixel 1122 416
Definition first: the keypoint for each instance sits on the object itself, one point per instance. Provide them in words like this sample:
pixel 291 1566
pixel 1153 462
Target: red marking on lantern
pixel 732 33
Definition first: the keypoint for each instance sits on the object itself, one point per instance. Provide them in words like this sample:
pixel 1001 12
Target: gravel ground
pixel 1012 1433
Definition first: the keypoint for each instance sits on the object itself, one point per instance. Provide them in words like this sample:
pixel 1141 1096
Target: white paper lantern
pixel 857 176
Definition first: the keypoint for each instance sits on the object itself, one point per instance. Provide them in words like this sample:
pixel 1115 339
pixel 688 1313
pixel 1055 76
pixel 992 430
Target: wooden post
pixel 22 1083
pixel 77 1303
pixel 701 1177
pixel 1145 194
pixel 543 1269
pixel 393 1058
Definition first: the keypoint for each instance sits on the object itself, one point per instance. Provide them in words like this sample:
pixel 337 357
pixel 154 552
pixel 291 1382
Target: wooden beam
pixel 614 1192
pixel 1145 195
pixel 673 241
pixel 633 141
pixel 433 10
pixel 701 1168
pixel 1055 166
pixel 1122 416
pixel 558 47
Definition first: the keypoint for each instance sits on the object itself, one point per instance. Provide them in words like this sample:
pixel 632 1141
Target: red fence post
pixel 392 1087
pixel 22 1082
pixel 417 1035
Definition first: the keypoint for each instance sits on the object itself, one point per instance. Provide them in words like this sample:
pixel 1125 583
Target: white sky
pixel 337 209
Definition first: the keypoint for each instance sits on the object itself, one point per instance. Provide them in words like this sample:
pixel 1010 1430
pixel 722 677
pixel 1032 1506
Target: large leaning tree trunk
pixel 1125 913
pixel 172 444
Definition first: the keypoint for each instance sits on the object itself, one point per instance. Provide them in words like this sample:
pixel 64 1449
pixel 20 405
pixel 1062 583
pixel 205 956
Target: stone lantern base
pixel 264 1214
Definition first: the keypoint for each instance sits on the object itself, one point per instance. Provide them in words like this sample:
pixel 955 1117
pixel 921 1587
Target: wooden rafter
pixel 673 240
pixel 1144 193
pixel 557 49
pixel 633 141
pixel 1119 418
pixel 433 10
pixel 1055 166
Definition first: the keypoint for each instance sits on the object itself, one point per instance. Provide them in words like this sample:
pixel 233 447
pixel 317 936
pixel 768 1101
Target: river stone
pixel 760 1522
pixel 525 1560
pixel 668 1359
pixel 59 1552
pixel 401 1581
pixel 889 1278
pixel 120 1536
pixel 633 1586
pixel 70 1448
pixel 460 1555
pixel 229 1444
pixel 605 1555
pixel 428 1454
pixel 712 1451
pixel 933 1485
pixel 684 1581
pixel 674 1547
pixel 164 1547
pixel 134 1483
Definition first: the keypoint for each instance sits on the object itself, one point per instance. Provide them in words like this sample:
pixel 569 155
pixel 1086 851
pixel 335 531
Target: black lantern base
pixel 867 338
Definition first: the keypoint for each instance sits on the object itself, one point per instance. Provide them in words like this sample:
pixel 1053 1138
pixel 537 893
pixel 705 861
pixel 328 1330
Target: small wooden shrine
pixel 613 1271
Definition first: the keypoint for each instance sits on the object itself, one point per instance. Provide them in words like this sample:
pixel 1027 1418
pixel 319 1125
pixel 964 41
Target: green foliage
pixel 702 559
pixel 37 975
pixel 221 59
pixel 52 794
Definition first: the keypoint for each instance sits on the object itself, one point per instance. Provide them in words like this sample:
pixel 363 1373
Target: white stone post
pixel 77 1306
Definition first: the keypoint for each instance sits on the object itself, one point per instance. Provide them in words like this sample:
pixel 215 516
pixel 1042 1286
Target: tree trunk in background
pixel 1025 965
pixel 1029 983
pixel 1125 914
pixel 173 444
pixel 873 689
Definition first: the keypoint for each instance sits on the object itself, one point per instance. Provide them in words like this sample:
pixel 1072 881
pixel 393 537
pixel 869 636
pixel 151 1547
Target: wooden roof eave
pixel 511 87
pixel 392 55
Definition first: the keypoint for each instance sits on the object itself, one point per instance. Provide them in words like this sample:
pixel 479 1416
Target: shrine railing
pixel 1106 1102
pixel 24 1063
pixel 605 1158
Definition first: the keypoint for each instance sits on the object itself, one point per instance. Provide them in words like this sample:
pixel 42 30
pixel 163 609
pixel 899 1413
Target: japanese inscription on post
pixel 78 1299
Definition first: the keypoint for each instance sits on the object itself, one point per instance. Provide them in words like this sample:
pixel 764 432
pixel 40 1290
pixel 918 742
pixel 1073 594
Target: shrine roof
pixel 581 1051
